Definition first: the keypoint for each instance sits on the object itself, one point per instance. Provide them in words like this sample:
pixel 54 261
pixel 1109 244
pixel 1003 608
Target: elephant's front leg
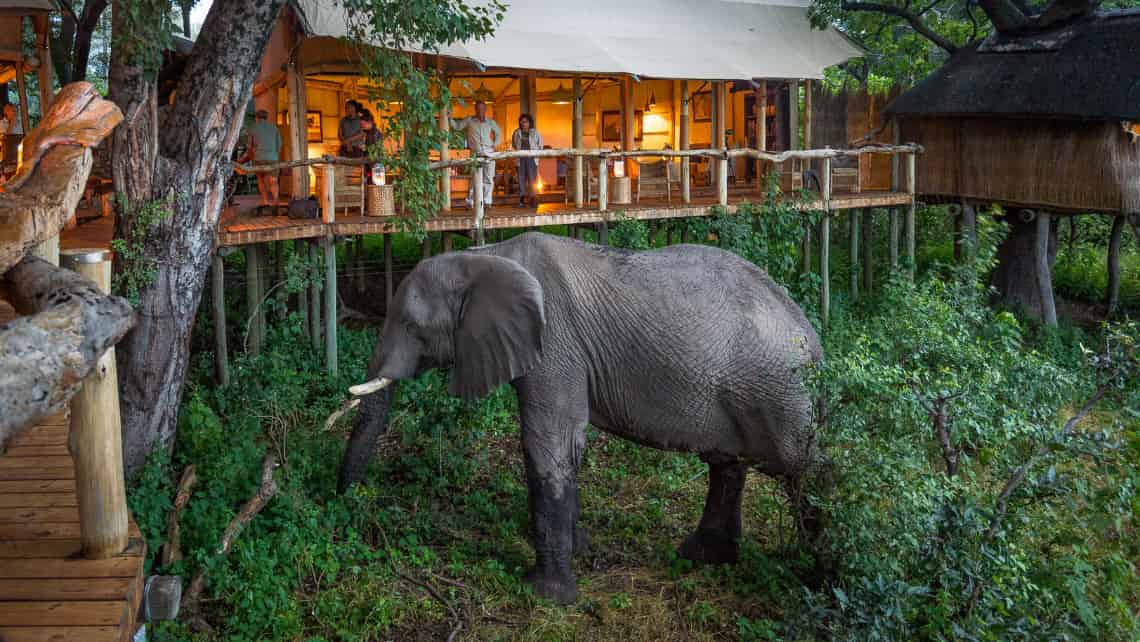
pixel 553 440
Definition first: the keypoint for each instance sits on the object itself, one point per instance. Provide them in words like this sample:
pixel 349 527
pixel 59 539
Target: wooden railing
pixel 477 163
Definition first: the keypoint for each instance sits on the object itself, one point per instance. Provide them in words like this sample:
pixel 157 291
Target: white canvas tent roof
pixel 707 39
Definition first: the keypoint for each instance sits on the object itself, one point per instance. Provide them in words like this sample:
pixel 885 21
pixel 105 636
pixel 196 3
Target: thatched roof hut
pixel 1037 121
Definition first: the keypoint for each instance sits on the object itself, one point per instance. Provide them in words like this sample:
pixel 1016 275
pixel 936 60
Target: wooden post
pixel 1044 273
pixel 218 305
pixel 96 436
pixel 910 211
pixel 868 249
pixel 579 162
pixel 806 249
pixel 446 241
pixel 315 302
pixel 358 269
pixel 425 246
pixel 1112 296
pixel 825 246
pixel 686 194
pixel 626 113
pixel 253 295
pixel 970 223
pixel 43 47
pixel 761 130
pixel 477 196
pixel 328 205
pixel 714 131
pixel 853 235
pixel 298 137
pixel 444 147
pixel 721 142
pixel 722 181
pixel 603 184
pixel 603 233
pixel 330 304
pixel 896 185
pixel 389 278
pixel 22 90
pixel 807 114
pixel 303 296
pixel 794 114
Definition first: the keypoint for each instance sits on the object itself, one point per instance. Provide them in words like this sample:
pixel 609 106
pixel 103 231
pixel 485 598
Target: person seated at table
pixel 527 137
pixel 348 132
pixel 483 134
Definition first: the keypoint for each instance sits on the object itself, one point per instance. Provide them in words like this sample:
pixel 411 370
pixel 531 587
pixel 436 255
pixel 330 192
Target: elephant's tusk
pixel 369 387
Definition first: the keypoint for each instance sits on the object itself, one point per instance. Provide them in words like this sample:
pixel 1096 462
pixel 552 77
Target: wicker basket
pixel 381 200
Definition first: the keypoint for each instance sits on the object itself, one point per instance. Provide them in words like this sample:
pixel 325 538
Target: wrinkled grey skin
pixel 686 348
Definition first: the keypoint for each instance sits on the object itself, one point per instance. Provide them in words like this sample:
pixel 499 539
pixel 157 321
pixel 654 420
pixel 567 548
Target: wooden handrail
pixel 568 152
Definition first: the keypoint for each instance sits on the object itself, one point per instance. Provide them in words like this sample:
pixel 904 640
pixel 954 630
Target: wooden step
pixel 60 634
pixel 38 500
pixel 40 590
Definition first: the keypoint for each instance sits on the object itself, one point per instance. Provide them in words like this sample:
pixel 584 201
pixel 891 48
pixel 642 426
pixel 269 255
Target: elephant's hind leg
pixel 716 538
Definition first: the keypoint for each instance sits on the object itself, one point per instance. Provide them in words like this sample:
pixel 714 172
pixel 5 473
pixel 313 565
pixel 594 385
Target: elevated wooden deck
pixel 240 227
pixel 48 590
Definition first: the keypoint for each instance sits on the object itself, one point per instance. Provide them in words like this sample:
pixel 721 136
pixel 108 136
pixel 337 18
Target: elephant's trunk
pixel 371 422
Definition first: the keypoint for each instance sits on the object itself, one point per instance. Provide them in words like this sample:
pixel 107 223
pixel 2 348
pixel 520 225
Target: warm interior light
pixel 561 96
pixel 619 168
pixel 19 155
pixel 538 185
pixel 651 104
pixel 378 176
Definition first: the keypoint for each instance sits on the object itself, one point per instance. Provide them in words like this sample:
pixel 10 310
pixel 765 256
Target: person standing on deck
pixel 483 134
pixel 348 132
pixel 265 149
pixel 527 137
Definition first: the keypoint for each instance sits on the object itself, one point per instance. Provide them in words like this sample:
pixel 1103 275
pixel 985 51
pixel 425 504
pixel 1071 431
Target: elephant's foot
pixel 709 546
pixel 559 587
pixel 581 541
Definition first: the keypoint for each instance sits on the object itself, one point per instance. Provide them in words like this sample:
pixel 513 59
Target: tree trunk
pixel 179 162
pixel 84 29
pixel 62 47
pixel 1023 277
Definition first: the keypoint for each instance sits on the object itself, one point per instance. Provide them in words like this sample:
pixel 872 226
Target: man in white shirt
pixel 483 134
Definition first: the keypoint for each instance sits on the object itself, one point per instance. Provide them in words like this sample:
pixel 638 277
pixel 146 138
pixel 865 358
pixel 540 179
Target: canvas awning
pixel 711 40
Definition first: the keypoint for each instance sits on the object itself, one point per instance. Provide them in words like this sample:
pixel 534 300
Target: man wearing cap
pixel 482 135
pixel 265 147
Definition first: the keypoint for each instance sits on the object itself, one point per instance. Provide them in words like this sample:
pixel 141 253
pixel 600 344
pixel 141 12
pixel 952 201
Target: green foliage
pixel 629 233
pixel 142 33
pixel 134 268
pixel 389 28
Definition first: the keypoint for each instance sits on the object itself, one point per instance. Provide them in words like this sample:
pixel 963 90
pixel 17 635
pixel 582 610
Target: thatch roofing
pixel 1088 70
pixel 27 7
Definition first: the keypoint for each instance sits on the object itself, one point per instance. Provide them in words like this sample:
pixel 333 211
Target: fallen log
pixel 45 357
pixel 41 198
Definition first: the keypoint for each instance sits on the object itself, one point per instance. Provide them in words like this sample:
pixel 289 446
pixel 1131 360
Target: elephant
pixel 685 348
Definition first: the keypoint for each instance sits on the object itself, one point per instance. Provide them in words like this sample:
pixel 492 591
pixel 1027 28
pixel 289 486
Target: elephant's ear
pixel 498 336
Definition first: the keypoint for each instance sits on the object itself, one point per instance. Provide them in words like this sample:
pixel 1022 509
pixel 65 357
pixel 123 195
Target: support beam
pixel 853 253
pixel 425 246
pixel 761 130
pixel 896 185
pixel 389 277
pixel 970 223
pixel 218 307
pixel 315 301
pixel 686 99
pixel 627 142
pixel 298 136
pixel 910 212
pixel 1044 272
pixel 1112 298
pixel 794 114
pixel 721 142
pixel 477 197
pixel 95 442
pixel 330 305
pixel 302 254
pixel 447 242
pixel 253 298
pixel 867 237
pixel 444 147
pixel 722 182
pixel 603 184
pixel 22 90
pixel 714 130
pixel 808 142
pixel 579 162
pixel 825 246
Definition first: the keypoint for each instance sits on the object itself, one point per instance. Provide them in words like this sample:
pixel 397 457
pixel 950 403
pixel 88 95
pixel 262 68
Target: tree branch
pixel 914 19
pixel 1004 15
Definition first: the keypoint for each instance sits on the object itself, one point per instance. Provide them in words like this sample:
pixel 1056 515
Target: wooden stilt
pixel 761 130
pixel 853 252
pixel 253 296
pixel 603 184
pixel 910 212
pixel 686 235
pixel 970 223
pixel 867 237
pixel 686 190
pixel 654 228
pixel 448 242
pixel 893 241
pixel 389 278
pixel 477 198
pixel 603 233
pixel 794 114
pixel 95 442
pixel 825 246
pixel 426 246
pixel 444 150
pixel 218 307
pixel 330 305
pixel 579 162
pixel 315 302
pixel 1113 294
pixel 806 249
pixel 669 234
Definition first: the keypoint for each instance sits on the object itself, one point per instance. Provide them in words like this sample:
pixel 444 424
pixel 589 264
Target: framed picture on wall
pixel 314 129
pixel 611 126
pixel 702 106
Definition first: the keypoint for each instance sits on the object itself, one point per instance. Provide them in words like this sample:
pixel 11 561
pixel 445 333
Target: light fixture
pixel 483 94
pixel 619 168
pixel 651 104
pixel 378 176
pixel 561 96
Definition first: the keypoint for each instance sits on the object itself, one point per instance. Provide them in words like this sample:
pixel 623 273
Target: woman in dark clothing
pixel 527 137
